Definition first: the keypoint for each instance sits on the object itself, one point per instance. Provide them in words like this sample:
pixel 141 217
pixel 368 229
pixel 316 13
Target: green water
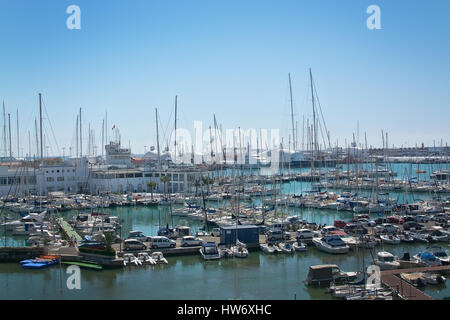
pixel 260 276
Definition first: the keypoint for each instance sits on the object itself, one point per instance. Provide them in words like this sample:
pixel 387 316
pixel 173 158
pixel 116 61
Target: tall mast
pixel 103 136
pixel 81 138
pixel 76 134
pixel 106 129
pixel 176 100
pixel 40 121
pixel 10 148
pixel 4 130
pixel 37 138
pixel 29 145
pixel 292 113
pixel 157 139
pixel 314 135
pixel 18 137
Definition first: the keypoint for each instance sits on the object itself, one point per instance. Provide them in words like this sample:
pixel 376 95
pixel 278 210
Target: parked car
pixel 189 241
pixel 132 244
pixel 304 234
pixel 328 229
pixel 274 235
pixel 161 242
pixel 137 235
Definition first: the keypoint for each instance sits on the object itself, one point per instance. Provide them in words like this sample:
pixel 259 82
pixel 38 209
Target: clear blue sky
pixel 230 58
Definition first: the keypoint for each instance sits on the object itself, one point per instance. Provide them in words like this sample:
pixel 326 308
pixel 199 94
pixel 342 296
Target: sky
pixel 230 59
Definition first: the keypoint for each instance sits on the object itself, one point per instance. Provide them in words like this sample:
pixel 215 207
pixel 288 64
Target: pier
pixel 68 231
pixel 391 278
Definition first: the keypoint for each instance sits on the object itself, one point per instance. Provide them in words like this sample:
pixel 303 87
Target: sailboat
pixel 239 250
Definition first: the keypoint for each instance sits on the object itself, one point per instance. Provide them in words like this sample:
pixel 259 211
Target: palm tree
pixel 165 179
pixel 151 185
pixel 196 185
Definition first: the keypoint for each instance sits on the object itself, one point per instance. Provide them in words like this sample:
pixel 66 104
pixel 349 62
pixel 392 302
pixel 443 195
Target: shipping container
pixel 248 234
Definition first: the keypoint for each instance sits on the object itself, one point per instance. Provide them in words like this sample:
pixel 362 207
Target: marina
pixel 197 150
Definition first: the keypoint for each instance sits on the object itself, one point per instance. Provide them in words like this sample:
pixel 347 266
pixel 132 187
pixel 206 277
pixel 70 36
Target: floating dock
pixel 68 231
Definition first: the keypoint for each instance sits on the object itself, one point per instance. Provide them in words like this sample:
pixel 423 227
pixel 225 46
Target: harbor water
pixel 260 276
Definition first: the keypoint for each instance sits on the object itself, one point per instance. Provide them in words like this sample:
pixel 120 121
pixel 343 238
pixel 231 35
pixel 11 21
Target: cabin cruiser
pixel 427 258
pixel 348 239
pixel 440 254
pixel 32 218
pixel 209 251
pixel 386 261
pixel 331 244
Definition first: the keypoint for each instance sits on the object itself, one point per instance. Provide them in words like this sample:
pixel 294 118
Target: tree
pixel 196 185
pixel 151 185
pixel 165 179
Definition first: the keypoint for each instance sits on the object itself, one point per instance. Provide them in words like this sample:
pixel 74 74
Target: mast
pixel 18 137
pixel 37 139
pixel 157 139
pixel 10 148
pixel 81 138
pixel 103 136
pixel 40 121
pixel 176 100
pixel 76 133
pixel 314 115
pixel 292 113
pixel 4 130
pixel 29 145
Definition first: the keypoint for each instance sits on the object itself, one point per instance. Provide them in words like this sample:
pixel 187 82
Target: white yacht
pixel 209 251
pixel 386 261
pixel 331 244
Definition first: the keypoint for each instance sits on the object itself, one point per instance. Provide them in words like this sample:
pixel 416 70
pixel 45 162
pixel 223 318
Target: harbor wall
pixel 16 254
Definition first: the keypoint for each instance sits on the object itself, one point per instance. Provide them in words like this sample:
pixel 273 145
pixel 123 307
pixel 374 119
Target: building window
pixel 50 179
pixel 60 179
